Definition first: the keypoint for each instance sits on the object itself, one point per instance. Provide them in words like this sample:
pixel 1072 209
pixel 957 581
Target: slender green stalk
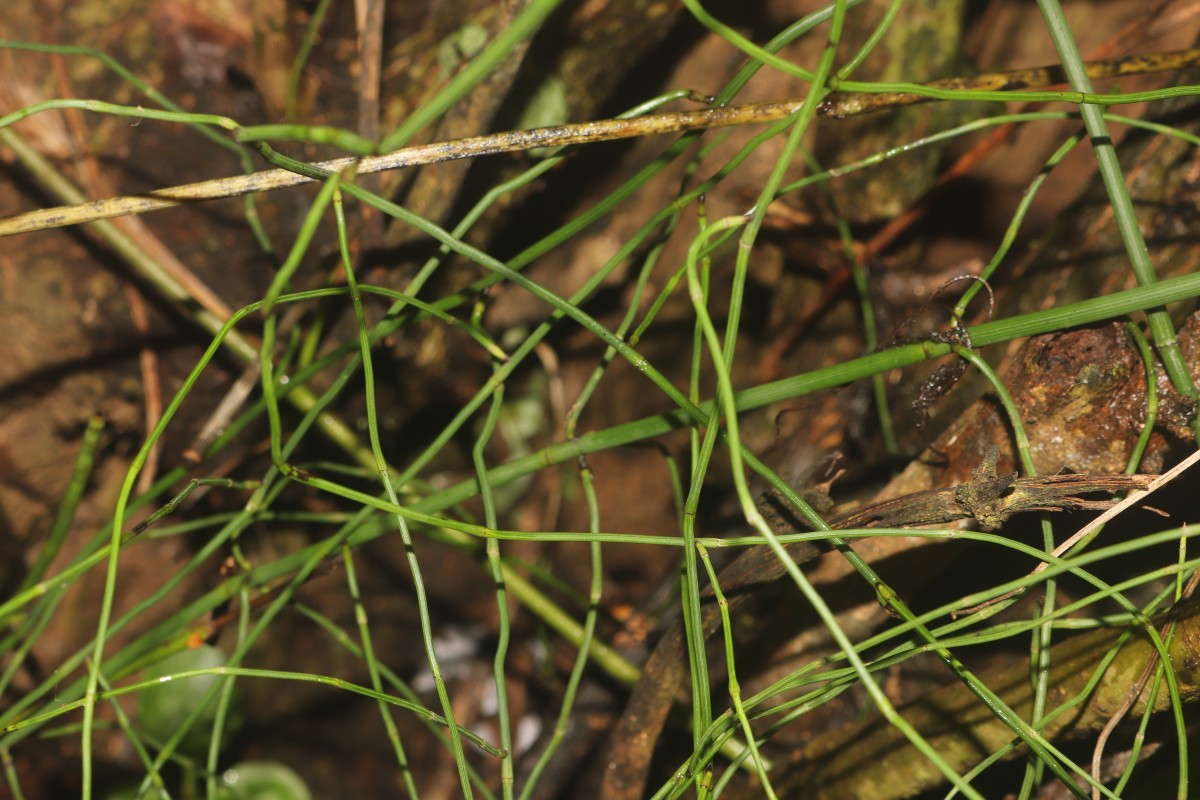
pixel 139 747
pixel 101 107
pixel 28 634
pixel 225 698
pixel 408 501
pixel 811 674
pixel 1084 312
pixel 401 688
pixel 928 91
pixel 499 191
pixel 340 138
pixel 294 173
pixel 725 396
pixel 112 555
pixel 84 462
pixel 1140 737
pixel 10 774
pixel 374 672
pixel 310 38
pixel 866 305
pixel 595 592
pixel 322 552
pixel 521 27
pixel 1166 670
pixel 360 611
pixel 987 333
pixel 495 566
pixel 1124 214
pixel 701 457
pixel 734 687
pixel 271 674
pixel 384 471
pixel 1040 656
pixel 1139 448
pixel 266 351
pixel 250 210
pixel 174 503
pixel 1014 225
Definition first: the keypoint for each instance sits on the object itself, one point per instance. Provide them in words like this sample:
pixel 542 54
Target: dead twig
pixel 562 135
pixel 230 404
pixel 1136 495
pixel 369 20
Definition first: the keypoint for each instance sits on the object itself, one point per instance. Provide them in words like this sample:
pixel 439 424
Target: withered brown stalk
pixel 838 105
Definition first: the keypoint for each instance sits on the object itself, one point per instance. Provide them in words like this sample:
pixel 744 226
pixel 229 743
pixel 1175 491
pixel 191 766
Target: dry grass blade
pixel 1133 499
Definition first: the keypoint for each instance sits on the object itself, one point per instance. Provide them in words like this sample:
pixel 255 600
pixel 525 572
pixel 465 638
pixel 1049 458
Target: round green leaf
pixel 163 707
pixel 262 780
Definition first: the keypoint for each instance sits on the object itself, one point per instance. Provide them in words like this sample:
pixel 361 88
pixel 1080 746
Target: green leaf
pixel 163 708
pixel 262 780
